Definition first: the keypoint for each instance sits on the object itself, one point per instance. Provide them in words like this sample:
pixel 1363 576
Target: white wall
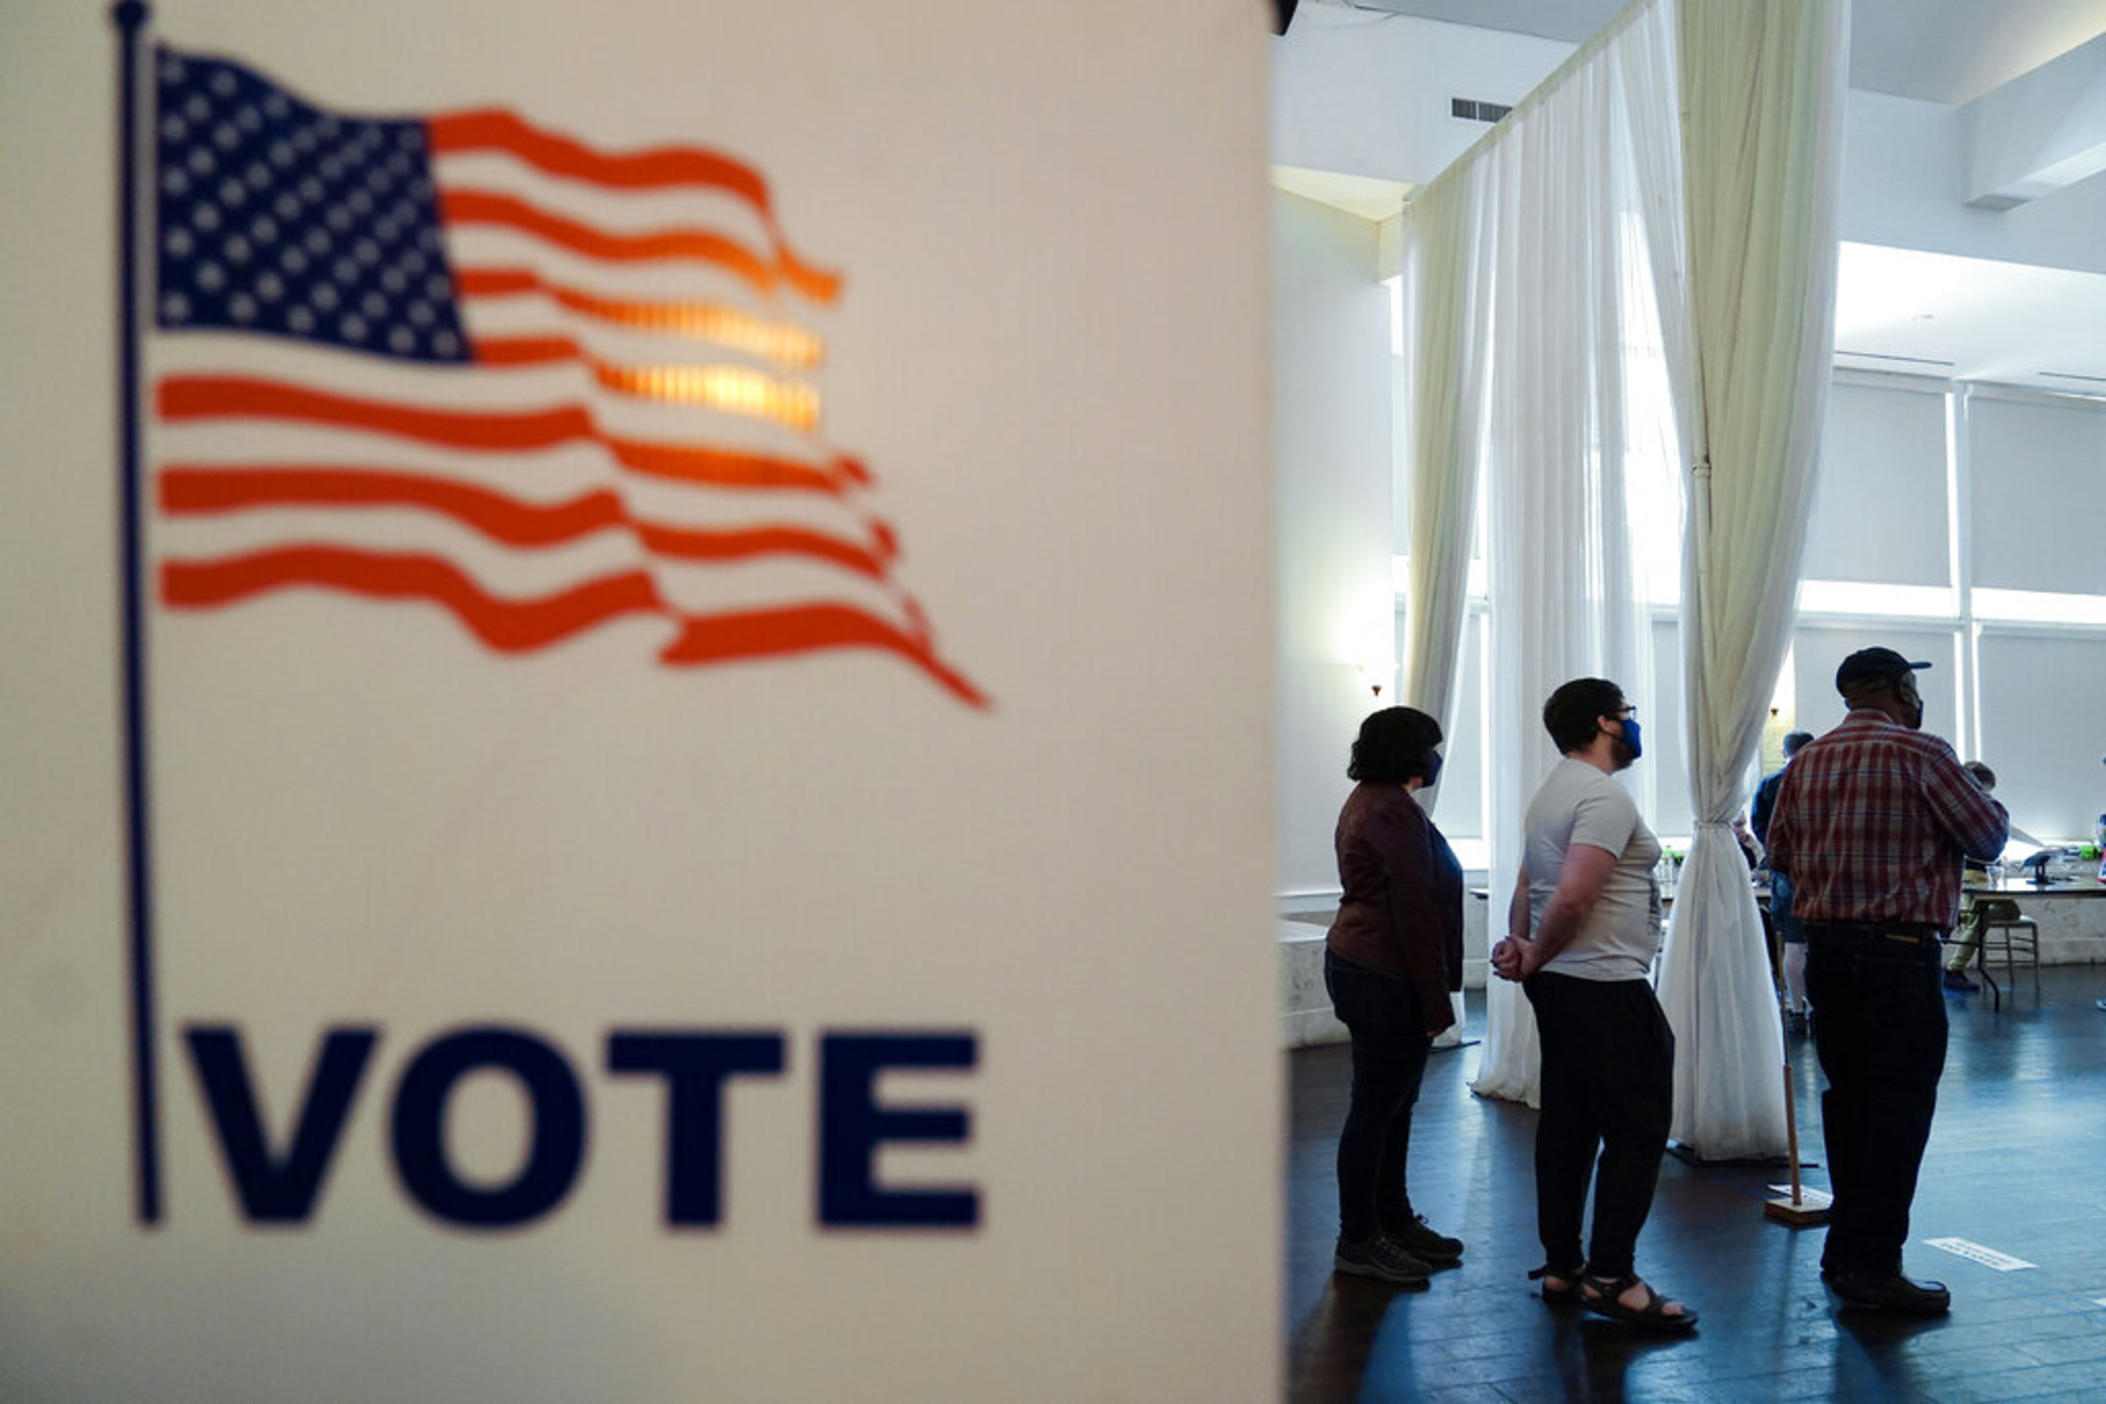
pixel 1368 95
pixel 1331 447
pixel 1905 185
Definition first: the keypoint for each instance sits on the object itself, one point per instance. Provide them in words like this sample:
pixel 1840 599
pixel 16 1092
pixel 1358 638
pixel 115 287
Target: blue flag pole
pixel 130 18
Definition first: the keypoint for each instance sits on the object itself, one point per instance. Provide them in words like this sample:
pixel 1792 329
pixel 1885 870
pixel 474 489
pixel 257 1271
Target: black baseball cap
pixel 1872 665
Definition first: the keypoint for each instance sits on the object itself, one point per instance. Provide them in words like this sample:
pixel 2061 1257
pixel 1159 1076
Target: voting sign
pixel 638 729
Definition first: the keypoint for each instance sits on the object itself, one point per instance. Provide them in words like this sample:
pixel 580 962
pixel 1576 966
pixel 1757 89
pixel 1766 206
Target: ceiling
pixel 1901 310
pixel 1948 51
pixel 1970 319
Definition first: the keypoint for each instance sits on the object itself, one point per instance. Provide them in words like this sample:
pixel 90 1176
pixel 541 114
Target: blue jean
pixel 1790 930
pixel 1879 1028
pixel 1390 1044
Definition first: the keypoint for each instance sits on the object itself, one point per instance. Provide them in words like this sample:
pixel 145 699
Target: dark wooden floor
pixel 2017 1163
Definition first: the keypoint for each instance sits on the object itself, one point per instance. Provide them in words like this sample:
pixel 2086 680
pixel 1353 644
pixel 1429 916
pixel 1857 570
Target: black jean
pixel 1608 1086
pixel 1879 1028
pixel 1390 1044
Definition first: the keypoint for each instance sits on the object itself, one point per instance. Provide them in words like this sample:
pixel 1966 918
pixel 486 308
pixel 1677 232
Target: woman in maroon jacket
pixel 1393 955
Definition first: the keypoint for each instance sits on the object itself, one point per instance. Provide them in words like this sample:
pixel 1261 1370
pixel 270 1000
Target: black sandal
pixel 1569 1294
pixel 1599 1294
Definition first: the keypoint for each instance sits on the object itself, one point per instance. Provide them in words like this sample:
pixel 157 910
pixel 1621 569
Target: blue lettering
pixel 555 1151
pixel 277 1189
pixel 696 1066
pixel 283 1184
pixel 852 1126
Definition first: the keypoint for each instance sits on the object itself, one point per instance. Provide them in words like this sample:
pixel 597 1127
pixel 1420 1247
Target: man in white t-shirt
pixel 1583 927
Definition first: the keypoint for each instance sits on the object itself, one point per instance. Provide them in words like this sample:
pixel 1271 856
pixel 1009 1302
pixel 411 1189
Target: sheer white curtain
pixel 1563 220
pixel 1685 125
pixel 1447 282
pixel 1762 133
pixel 1447 286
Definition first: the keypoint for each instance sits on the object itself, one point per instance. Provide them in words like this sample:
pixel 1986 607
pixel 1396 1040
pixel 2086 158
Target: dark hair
pixel 1983 775
pixel 1793 740
pixel 1572 713
pixel 1393 745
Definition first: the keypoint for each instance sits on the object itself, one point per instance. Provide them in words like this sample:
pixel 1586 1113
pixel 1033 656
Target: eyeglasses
pixel 1626 714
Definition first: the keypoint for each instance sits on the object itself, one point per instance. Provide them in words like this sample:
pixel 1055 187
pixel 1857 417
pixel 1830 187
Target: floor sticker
pixel 1976 1253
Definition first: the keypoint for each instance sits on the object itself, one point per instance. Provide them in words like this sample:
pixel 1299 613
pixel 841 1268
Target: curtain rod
pixel 1618 22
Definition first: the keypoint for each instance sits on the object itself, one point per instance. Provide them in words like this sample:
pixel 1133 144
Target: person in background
pixel 1790 933
pixel 1750 847
pixel 1873 822
pixel 1393 955
pixel 1582 931
pixel 1967 940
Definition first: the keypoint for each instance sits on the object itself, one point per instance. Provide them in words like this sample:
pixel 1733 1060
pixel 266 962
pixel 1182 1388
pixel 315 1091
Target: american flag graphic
pixel 467 363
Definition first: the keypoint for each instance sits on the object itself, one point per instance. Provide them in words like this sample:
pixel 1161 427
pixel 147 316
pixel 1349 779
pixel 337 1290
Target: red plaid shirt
pixel 1873 821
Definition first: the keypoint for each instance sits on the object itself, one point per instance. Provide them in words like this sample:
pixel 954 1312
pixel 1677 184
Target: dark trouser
pixel 1390 1044
pixel 1879 1027
pixel 1790 930
pixel 1608 1085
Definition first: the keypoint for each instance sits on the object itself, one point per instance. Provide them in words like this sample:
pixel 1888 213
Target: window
pixel 1976 547
pixel 1957 524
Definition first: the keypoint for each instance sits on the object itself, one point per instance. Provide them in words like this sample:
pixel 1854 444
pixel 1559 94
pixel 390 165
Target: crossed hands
pixel 1516 960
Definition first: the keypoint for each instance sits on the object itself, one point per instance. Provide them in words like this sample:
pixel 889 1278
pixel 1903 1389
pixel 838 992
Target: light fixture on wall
pixel 1372 676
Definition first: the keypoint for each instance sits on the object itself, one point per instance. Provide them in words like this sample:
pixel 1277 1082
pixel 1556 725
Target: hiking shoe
pixel 1379 1258
pixel 1423 1243
pixel 1957 980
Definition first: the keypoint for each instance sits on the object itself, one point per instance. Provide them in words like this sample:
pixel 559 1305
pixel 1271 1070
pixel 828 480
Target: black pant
pixel 1608 1085
pixel 1390 1044
pixel 1879 1027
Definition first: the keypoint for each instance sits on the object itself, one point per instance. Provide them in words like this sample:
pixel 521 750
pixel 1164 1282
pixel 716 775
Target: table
pixel 2077 926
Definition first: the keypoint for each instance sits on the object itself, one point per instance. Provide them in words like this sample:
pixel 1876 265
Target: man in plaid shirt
pixel 1873 822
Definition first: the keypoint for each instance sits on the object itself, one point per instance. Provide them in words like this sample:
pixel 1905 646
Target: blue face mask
pixel 1633 738
pixel 1431 766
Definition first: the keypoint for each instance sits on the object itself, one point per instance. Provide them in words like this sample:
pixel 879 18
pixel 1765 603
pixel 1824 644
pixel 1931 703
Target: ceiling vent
pixel 1472 110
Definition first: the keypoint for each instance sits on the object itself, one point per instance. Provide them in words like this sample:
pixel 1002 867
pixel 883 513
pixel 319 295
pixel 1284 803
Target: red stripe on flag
pixel 520 626
pixel 721 638
pixel 203 490
pixel 200 489
pixel 181 398
pixel 784 343
pixel 698 245
pixel 510 626
pixel 691 544
pixel 493 129
pixel 496 282
pixel 526 350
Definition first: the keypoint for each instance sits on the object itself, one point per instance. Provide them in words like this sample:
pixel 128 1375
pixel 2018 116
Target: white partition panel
pixel 1817 649
pixel 2039 495
pixel 1880 510
pixel 1666 741
pixel 1461 811
pixel 2044 728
